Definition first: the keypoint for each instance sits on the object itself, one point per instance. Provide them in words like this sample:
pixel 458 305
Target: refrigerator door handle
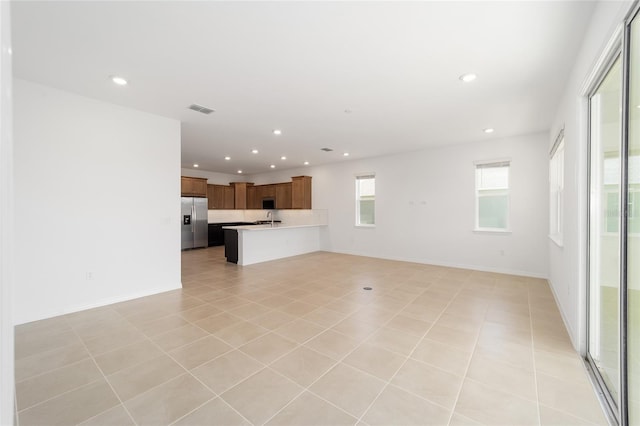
pixel 193 219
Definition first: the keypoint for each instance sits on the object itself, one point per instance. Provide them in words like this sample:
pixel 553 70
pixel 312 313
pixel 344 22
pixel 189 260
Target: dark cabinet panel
pixel 231 245
pixel 216 235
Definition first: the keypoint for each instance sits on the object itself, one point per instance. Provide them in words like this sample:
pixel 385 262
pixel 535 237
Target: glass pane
pixel 633 229
pixel 612 212
pixel 492 177
pixel 604 236
pixel 492 211
pixel 367 212
pixel 366 187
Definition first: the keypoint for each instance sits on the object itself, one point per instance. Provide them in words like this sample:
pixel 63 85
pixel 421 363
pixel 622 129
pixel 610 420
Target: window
pixel 612 198
pixel 492 196
pixel 365 200
pixel 556 190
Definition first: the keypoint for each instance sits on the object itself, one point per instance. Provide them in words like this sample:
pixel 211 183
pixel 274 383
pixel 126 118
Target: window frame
pixel 358 199
pixel 556 190
pixel 505 162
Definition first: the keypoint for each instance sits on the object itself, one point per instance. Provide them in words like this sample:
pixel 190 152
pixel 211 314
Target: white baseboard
pixel 97 304
pixel 570 331
pixel 449 264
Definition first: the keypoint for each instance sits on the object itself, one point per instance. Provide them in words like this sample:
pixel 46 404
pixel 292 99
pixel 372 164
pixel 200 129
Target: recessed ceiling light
pixel 196 165
pixel 346 154
pixel 254 151
pixel 306 163
pixel 637 106
pixel 239 171
pixel 283 158
pixel 488 130
pixel 468 77
pixel 273 166
pixel 277 132
pixel 227 158
pixel 118 80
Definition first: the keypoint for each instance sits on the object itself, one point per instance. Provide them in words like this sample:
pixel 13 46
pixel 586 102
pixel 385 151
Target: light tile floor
pixel 299 341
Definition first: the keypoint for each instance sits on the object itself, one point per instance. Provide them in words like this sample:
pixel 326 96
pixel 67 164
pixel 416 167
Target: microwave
pixel 268 204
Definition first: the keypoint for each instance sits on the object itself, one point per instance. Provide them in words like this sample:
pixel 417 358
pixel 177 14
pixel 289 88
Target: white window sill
pixel 365 226
pixel 492 231
pixel 557 241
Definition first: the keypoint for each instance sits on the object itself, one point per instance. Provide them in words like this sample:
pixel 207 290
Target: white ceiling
pixel 298 66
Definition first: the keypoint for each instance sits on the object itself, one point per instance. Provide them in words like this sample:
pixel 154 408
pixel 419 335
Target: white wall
pixel 425 206
pixel 7 378
pixel 213 178
pixel 567 264
pixel 97 198
pixel 287 217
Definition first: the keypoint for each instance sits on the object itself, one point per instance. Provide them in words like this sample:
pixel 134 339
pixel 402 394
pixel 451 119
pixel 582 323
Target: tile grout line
pixel 104 377
pixel 407 357
pixel 466 371
pixel 186 371
pixel 242 284
pixel 78 387
pixel 338 362
pixel 533 355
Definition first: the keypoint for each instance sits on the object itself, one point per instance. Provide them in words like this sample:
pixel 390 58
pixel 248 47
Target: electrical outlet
pixel 89 276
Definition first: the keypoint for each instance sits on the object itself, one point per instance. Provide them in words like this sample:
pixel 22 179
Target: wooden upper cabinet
pixel 283 195
pixel 301 192
pixel 245 195
pixel 229 200
pixel 193 187
pixel 253 195
pixel 268 191
pixel 240 194
pixel 215 196
pixel 220 197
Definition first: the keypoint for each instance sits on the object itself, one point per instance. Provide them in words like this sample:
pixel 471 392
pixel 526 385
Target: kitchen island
pixel 246 245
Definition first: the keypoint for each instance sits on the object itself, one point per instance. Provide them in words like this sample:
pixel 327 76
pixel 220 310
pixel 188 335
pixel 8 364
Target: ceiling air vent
pixel 326 149
pixel 201 109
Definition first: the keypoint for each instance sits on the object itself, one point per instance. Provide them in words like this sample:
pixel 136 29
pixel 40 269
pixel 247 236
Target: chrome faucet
pixel 270 215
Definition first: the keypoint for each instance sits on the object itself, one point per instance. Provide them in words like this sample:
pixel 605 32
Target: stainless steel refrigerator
pixel 195 231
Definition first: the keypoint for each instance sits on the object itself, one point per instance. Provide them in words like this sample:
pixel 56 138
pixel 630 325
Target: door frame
pixel 618 46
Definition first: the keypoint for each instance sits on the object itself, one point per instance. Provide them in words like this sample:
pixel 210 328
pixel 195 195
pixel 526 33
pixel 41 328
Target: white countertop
pixel 267 227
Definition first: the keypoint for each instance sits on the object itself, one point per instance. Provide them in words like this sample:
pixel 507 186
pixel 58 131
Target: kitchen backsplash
pixel 288 217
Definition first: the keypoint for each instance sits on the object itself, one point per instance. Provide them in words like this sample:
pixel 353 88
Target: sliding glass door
pixel 633 226
pixel 613 345
pixel 604 228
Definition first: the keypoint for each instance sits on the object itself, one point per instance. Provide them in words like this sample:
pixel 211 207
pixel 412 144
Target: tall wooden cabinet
pixel 301 192
pixel 240 194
